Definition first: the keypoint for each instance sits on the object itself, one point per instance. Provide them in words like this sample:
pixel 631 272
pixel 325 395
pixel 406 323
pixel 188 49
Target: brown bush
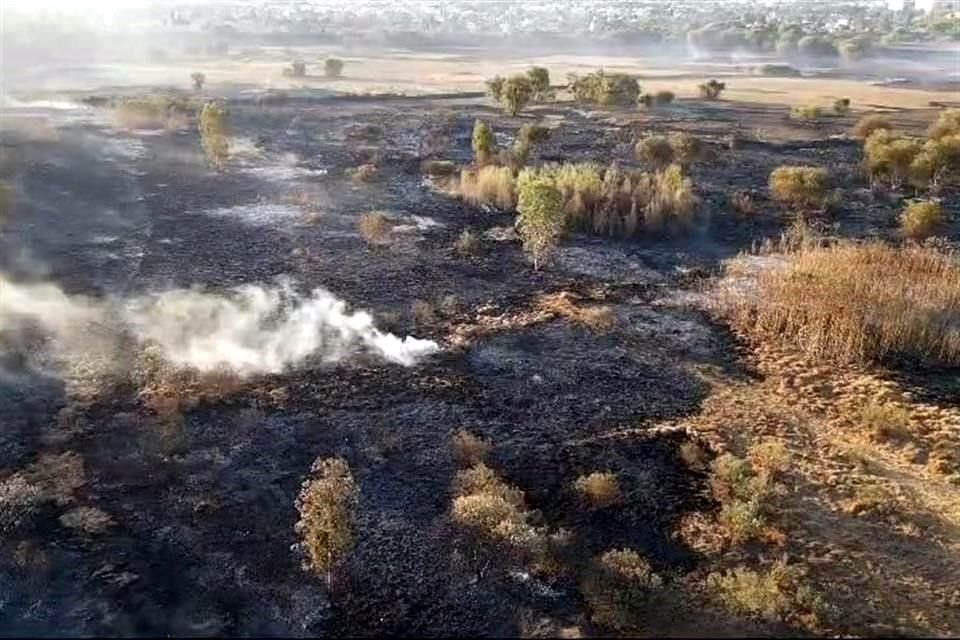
pixel 599 489
pixel 326 504
pixel 687 149
pixel 920 220
pixel 947 124
pixel 806 113
pixel 468 449
pixel 620 588
pixel 423 312
pixel 655 151
pixel 861 302
pixel 799 186
pixel 365 173
pixel 870 123
pixel 374 228
pixel 742 202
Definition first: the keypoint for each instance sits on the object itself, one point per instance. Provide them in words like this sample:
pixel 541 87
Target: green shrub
pixel 655 151
pixel 841 106
pixel 920 220
pixel 799 186
pixel 540 219
pixel 326 503
pixel 646 100
pixel 483 143
pixel 333 67
pixel 298 69
pixel 770 595
pixel 214 133
pixel 816 47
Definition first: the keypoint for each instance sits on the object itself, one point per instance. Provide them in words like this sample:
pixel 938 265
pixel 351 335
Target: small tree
pixel 711 90
pixel 539 82
pixel 483 142
pixel 213 133
pixel 540 219
pixel 495 88
pixel 333 67
pixel 870 123
pixel 687 149
pixel 298 68
pixel 326 504
pixel 198 80
pixel 841 106
pixel 517 92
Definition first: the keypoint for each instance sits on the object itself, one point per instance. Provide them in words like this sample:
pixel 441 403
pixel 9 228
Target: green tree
pixel 517 93
pixel 483 142
pixel 198 80
pixel 495 88
pixel 540 219
pixel 213 133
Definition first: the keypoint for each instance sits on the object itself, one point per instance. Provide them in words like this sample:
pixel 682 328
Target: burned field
pixel 595 364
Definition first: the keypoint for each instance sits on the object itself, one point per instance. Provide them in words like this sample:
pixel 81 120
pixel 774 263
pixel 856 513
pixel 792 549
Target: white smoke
pixel 250 329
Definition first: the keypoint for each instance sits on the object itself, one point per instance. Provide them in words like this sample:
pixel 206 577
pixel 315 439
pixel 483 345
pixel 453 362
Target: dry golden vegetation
pixel 861 303
pixel 799 186
pixel 565 305
pixel 326 504
pixel 365 173
pixel 774 594
pixel 599 490
pixel 489 185
pixel 870 123
pixel 921 220
pixel 467 243
pixel 806 113
pixel 154 112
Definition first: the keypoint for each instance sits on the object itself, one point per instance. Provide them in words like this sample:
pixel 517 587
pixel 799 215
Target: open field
pixel 124 244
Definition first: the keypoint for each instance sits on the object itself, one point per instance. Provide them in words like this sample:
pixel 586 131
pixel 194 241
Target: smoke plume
pixel 250 329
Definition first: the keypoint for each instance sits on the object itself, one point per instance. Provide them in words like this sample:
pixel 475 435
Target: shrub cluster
pixel 604 88
pixel 620 588
pixel 744 487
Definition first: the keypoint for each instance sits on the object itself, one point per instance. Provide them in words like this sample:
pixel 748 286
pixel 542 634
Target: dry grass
pixel 468 449
pixel 886 422
pixel 564 305
pixel 155 112
pixel 862 303
pixel 467 244
pixel 374 228
pixel 599 490
pixel 489 185
pixel 87 521
pixel 921 220
pixel 947 124
pixel 799 186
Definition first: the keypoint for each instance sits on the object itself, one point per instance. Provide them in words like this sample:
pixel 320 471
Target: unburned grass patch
pixel 859 302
